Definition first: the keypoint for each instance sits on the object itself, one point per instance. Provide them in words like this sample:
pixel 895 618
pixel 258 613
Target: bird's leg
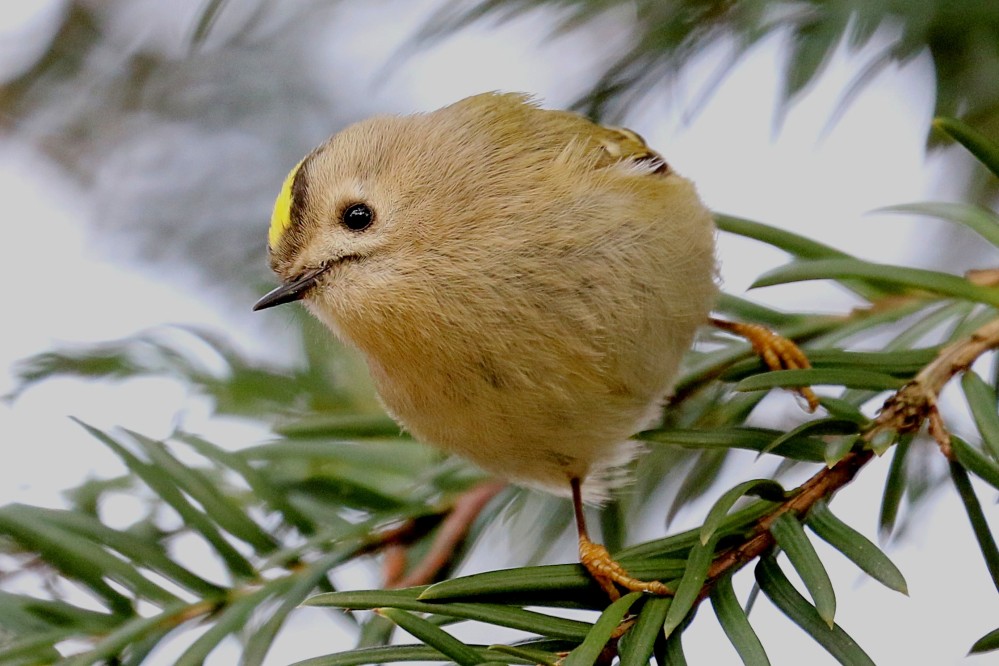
pixel 777 352
pixel 604 568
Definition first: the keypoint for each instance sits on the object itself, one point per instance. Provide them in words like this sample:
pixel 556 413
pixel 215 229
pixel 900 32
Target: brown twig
pixel 916 402
pixel 393 563
pixel 983 277
pixel 903 412
pixel 452 532
pixel 821 486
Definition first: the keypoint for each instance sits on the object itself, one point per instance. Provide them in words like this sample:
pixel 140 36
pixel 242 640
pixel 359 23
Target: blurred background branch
pixel 177 125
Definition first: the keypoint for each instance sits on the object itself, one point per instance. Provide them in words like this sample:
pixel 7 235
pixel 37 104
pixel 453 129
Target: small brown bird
pixel 522 283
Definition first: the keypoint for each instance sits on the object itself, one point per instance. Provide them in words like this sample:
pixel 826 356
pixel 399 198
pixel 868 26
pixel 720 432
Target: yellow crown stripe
pixel 281 217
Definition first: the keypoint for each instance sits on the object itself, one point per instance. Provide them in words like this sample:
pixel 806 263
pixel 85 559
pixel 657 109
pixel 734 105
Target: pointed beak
pixel 292 290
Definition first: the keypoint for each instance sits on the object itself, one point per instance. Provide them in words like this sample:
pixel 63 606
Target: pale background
pixel 64 281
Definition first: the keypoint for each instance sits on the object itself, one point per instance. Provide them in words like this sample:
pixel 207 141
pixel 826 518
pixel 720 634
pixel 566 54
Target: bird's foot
pixel 776 351
pixel 609 573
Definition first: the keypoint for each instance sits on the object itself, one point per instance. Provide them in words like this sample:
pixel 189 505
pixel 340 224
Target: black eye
pixel 357 217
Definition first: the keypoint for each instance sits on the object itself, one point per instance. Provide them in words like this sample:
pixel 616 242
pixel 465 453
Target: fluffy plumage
pixel 526 289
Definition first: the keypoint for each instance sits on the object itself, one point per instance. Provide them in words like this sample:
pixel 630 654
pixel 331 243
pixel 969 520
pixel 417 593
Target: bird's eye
pixel 357 217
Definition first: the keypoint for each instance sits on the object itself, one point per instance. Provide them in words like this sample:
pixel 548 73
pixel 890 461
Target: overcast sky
pixel 61 286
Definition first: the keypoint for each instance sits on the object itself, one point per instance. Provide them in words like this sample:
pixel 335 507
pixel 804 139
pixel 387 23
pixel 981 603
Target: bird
pixel 521 282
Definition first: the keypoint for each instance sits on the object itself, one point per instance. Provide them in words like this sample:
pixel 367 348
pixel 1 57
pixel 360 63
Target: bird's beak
pixel 292 290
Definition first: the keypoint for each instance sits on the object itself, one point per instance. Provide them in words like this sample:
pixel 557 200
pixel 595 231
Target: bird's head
pixel 335 213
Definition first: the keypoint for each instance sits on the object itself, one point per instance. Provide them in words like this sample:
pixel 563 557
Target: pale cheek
pixel 321 309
